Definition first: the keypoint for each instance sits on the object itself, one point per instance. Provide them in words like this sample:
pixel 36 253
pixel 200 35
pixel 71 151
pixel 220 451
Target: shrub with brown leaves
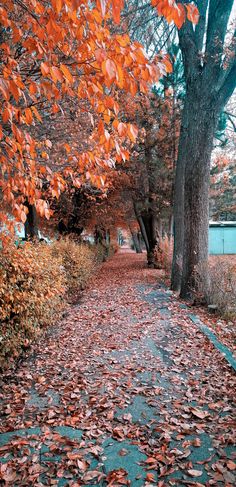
pixel 220 289
pixel 32 287
pixel 78 261
pixel 222 286
pixel 35 282
pixel 163 254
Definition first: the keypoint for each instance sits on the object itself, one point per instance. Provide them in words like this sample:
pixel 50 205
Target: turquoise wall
pixel 222 240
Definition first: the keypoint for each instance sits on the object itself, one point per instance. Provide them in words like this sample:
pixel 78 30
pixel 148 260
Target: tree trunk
pixel 210 81
pixel 170 227
pixel 139 237
pixel 160 228
pixel 141 225
pixel 136 242
pixel 202 120
pixel 31 227
pixel 143 232
pixel 100 238
pixel 178 207
pixel 150 224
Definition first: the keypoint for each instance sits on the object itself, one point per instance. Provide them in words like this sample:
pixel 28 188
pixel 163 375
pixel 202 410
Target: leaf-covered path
pixel 125 391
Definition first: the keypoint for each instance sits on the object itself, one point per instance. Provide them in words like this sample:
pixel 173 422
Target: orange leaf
pixel 168 65
pixel 7 115
pixel 150 477
pixel 117 6
pixel 67 73
pixel 44 69
pixel 28 116
pixel 132 132
pixel 36 113
pixel 4 87
pixel 67 147
pixel 122 129
pixel 101 4
pixel 179 15
pixel 109 68
pixel 23 217
pixel 57 5
pixel 192 13
pixel 199 413
pixel 56 74
pixel 231 465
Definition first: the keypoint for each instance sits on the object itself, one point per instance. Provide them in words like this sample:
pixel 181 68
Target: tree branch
pixel 228 87
pixel 201 26
pixel 218 18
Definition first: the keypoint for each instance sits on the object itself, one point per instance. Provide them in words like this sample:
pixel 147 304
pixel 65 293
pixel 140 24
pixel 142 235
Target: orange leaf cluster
pixel 59 51
pixel 177 12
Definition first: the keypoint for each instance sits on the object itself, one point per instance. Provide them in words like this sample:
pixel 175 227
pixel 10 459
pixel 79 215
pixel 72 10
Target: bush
pixel 35 282
pixel 163 254
pixel 104 251
pixel 32 287
pixel 222 287
pixel 79 263
pixel 101 252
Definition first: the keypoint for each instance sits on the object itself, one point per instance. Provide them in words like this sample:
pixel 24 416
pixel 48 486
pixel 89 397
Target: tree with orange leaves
pixel 59 51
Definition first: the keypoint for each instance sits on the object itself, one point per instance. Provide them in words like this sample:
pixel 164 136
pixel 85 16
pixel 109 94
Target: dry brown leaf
pixel 123 452
pixel 199 413
pixel 150 477
pixel 195 473
pixel 92 474
pixel 231 465
pixel 196 442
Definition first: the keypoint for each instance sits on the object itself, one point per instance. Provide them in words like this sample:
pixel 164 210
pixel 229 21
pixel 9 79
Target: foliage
pixel 222 286
pixel 223 185
pixel 220 289
pixel 78 261
pixel 63 66
pixel 32 287
pixel 57 56
pixel 35 280
pixel 163 254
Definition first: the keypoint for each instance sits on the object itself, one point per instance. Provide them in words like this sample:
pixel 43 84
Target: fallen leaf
pixel 150 477
pixel 92 474
pixel 199 413
pixel 123 452
pixel 196 442
pixel 195 473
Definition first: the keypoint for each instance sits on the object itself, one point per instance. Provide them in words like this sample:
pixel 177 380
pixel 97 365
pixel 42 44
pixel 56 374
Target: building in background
pixel 222 238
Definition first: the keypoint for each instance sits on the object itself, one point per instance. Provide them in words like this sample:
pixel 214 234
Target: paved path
pixel 127 390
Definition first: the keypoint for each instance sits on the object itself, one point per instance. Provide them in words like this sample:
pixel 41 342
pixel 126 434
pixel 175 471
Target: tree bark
pixel 31 227
pixel 139 237
pixel 141 225
pixel 151 227
pixel 136 242
pixel 178 207
pixel 170 226
pixel 100 238
pixel 209 84
pixel 143 232
pixel 201 124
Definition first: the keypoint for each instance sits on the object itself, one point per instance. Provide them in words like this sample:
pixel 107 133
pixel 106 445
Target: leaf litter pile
pixel 124 391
